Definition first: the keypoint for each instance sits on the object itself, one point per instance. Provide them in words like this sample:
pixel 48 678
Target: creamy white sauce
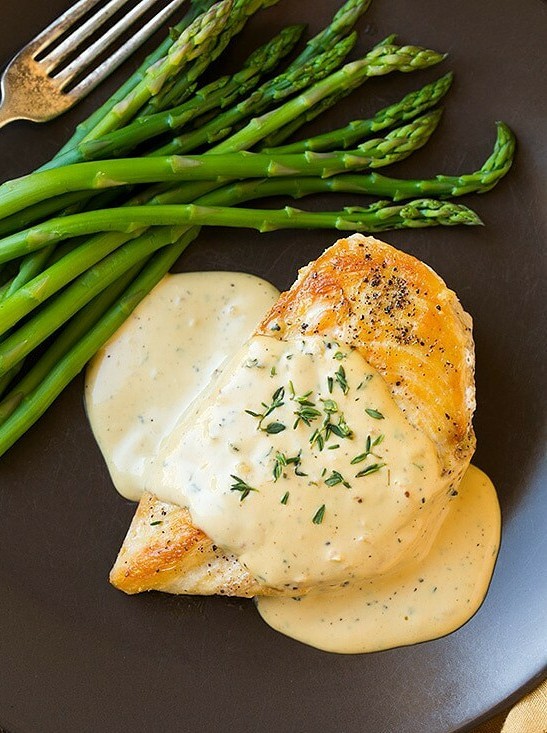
pixel 164 355
pixel 369 557
pixel 369 523
pixel 424 600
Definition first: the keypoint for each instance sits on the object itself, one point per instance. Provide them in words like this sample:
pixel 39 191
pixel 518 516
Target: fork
pixel 36 85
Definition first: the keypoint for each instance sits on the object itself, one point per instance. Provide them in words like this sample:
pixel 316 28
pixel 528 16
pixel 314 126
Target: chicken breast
pixel 400 316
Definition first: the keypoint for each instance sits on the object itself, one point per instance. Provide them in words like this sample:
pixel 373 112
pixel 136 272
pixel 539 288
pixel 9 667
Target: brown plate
pixel 77 655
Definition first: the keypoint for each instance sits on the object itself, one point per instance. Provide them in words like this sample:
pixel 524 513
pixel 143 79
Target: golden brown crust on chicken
pixel 164 551
pixel 405 322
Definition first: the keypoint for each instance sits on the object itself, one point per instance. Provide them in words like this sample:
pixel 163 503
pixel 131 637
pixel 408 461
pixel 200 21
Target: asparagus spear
pixel 341 24
pixel 180 87
pixel 98 175
pixel 197 7
pixel 407 108
pixel 274 90
pixel 375 184
pixel 198 38
pixel 135 218
pixel 219 93
pixel 378 62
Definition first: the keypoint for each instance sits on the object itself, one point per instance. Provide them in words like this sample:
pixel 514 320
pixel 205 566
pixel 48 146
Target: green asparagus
pixel 410 106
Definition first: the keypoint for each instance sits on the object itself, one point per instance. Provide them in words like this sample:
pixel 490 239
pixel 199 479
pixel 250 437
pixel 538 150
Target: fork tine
pixel 59 26
pixel 58 55
pixel 109 65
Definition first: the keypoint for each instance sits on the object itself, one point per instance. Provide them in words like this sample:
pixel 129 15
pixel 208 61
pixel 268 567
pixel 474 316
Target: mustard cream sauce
pixel 424 600
pixel 168 350
pixel 296 458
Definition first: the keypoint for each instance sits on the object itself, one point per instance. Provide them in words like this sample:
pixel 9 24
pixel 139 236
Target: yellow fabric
pixel 529 715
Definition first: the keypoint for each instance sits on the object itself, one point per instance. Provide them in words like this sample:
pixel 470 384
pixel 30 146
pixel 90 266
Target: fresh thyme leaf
pixel 277 401
pixel 341 429
pixel 333 447
pixel 337 478
pixel 339 356
pixel 378 440
pixel 317 438
pixel 281 460
pixel 319 514
pixel 340 377
pixel 307 413
pixel 330 384
pixel 275 427
pixel 153 524
pixel 329 406
pixel 373 468
pixel 241 486
pixel 278 396
pixel 285 497
pixel 374 413
pixel 253 414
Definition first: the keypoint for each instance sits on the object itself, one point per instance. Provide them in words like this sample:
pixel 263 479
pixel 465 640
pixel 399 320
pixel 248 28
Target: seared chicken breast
pixel 400 316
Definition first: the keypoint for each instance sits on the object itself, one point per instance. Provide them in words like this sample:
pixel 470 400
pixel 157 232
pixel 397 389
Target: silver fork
pixel 36 86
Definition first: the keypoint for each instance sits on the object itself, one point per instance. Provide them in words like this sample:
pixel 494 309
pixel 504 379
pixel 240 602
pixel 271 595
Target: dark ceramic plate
pixel 77 655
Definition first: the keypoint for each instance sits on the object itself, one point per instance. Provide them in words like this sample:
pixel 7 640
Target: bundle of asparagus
pixel 84 238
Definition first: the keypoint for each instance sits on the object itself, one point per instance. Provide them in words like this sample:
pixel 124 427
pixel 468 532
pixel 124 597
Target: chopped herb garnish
pixel 153 524
pixel 334 447
pixel 330 384
pixel 285 498
pixel 337 478
pixel 329 406
pixel 341 429
pixel 307 413
pixel 369 444
pixel 275 427
pixel 282 460
pixel 374 413
pixel 241 486
pixel 319 514
pixel 339 356
pixel 317 437
pixel 273 371
pixel 277 401
pixel 373 468
pixel 340 377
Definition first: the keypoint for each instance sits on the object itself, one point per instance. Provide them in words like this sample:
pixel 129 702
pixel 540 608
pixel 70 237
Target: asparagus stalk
pixel 374 218
pixel 197 7
pixel 410 106
pixel 180 87
pixel 378 62
pixel 219 93
pixel 341 24
pixel 198 38
pixel 136 218
pixel 374 184
pixel 98 175
pixel 274 90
